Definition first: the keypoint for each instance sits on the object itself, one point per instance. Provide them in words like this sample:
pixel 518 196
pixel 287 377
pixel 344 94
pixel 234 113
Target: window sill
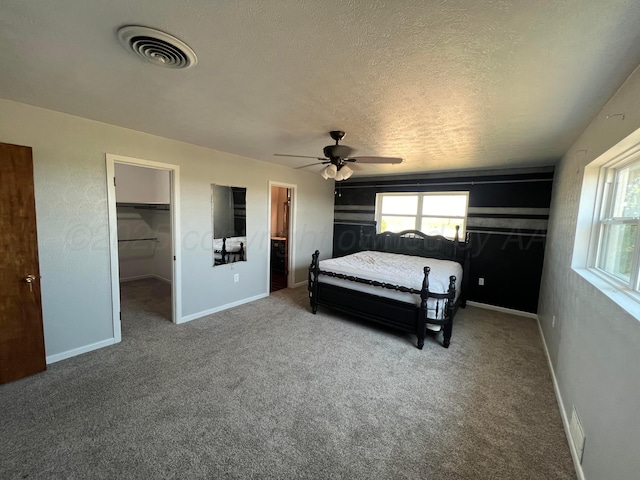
pixel 627 300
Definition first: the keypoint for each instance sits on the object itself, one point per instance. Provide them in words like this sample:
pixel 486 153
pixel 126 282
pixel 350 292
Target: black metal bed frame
pixel 400 315
pixel 225 256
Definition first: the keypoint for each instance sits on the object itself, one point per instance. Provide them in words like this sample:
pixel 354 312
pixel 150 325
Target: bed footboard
pixel 403 316
pixel 314 270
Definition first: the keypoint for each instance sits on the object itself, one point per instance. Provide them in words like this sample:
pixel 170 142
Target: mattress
pixel 397 269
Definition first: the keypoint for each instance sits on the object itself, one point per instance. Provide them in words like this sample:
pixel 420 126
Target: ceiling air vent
pixel 157 47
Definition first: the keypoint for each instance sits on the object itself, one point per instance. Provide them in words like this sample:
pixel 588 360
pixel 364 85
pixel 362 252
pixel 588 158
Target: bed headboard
pixel 414 242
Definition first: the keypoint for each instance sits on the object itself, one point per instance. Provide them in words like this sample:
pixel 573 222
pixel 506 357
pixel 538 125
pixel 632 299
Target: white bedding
pixel 232 247
pixel 397 269
pixel 232 244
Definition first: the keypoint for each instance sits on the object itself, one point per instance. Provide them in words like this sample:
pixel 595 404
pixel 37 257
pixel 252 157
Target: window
pixel 436 213
pixel 606 248
pixel 618 246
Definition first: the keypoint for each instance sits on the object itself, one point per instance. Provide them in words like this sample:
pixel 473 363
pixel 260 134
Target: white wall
pixel 135 258
pixel 142 185
pixel 144 258
pixel 162 259
pixel 594 346
pixel 71 203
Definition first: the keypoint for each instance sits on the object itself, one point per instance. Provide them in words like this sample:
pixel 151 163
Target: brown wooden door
pixel 21 335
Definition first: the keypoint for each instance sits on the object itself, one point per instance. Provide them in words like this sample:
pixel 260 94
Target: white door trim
pixel 290 238
pixel 176 284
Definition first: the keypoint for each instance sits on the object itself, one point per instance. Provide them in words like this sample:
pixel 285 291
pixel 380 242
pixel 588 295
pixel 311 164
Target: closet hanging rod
pixel 137 239
pixel 152 207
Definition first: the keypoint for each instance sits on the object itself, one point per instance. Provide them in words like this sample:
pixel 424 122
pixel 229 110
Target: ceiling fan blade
pixel 390 160
pixel 296 156
pixel 312 165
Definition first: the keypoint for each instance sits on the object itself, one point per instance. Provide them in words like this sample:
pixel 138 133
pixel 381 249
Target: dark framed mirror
pixel 229 218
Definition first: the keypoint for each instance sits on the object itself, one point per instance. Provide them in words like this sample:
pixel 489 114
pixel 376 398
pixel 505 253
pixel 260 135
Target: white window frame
pixel 419 214
pixel 609 173
pixel 593 209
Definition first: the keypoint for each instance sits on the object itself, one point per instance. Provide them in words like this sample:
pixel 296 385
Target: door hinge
pixel 114 181
pixel 120 316
pixel 174 258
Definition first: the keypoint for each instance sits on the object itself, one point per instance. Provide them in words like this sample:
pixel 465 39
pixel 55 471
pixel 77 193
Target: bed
pixel 408 280
pixel 228 250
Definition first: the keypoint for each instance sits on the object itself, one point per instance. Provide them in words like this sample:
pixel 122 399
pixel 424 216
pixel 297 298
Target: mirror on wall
pixel 229 216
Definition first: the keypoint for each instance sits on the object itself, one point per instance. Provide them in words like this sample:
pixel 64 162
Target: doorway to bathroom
pixel 280 235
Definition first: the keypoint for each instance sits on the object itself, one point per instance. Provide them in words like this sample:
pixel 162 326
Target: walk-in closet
pixel 144 245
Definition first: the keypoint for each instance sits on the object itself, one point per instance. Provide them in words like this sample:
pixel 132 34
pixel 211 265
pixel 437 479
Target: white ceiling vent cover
pixel 157 47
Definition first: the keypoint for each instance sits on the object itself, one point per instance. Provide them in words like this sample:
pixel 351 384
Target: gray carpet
pixel 268 390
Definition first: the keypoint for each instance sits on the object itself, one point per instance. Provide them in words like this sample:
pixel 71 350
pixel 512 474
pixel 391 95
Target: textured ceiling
pixel 445 84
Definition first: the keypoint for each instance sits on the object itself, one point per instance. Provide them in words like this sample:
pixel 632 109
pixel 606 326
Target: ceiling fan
pixel 337 156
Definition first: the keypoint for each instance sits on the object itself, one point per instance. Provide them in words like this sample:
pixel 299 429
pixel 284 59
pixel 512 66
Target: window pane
pixel 618 245
pixel 400 205
pixel 627 195
pixel 397 224
pixel 442 226
pixel 454 205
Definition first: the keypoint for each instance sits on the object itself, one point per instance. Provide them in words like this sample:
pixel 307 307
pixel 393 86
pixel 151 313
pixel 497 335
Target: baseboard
pixel 134 278
pixel 300 284
pixel 563 414
pixel 79 351
pixel 211 311
pixel 496 308
pixel 144 277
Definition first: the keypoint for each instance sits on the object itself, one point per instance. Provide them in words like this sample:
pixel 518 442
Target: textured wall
pixel 595 345
pixel 71 203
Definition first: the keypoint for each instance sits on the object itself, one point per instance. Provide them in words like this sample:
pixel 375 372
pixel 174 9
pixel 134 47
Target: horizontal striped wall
pixel 354 214
pixel 507 222
pixel 499 220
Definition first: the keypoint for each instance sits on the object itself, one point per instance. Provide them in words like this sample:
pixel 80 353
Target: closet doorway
pixel 143 239
pixel 281 205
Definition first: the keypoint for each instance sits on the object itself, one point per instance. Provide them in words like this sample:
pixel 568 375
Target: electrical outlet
pixel 481 281
pixel 553 321
pixel 236 277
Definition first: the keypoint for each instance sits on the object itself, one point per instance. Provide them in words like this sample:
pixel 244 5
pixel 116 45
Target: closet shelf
pixel 145 206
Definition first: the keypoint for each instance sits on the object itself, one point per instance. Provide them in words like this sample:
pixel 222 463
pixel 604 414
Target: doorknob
pixel 30 279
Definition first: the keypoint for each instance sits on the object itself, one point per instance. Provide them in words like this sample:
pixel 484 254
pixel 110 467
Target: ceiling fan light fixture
pixel 346 172
pixel 337 156
pixel 331 171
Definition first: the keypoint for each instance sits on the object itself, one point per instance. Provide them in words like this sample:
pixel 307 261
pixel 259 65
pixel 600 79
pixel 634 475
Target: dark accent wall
pixel 506 223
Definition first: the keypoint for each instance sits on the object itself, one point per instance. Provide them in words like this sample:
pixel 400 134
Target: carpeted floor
pixel 268 390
